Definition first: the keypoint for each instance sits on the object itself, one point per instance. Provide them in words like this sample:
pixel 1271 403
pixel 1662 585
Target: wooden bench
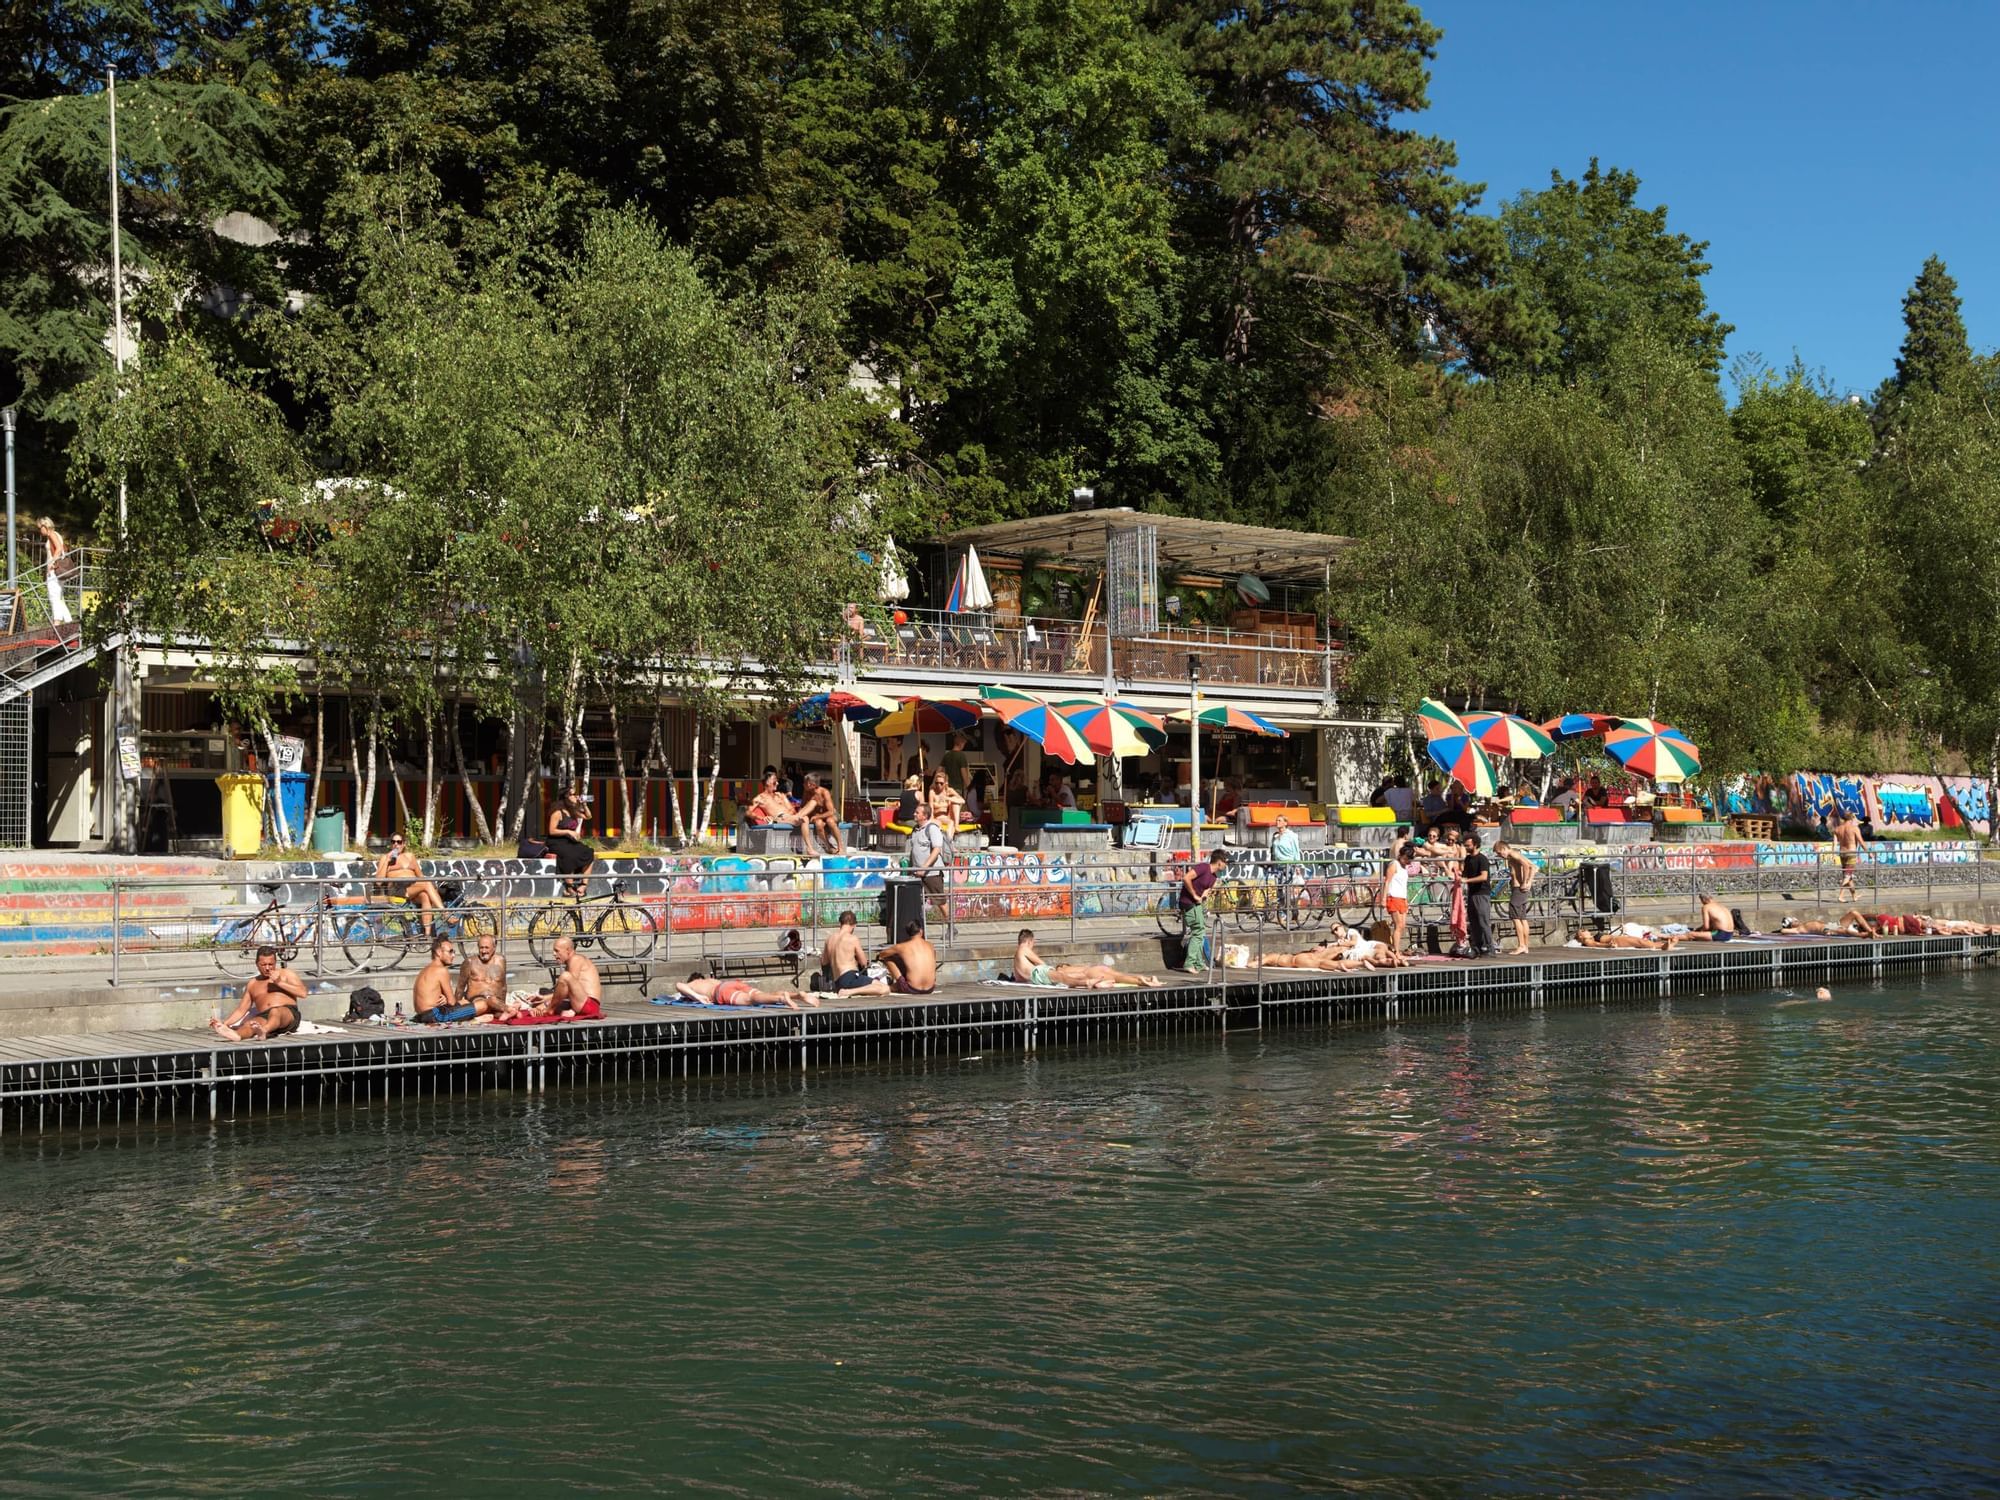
pixel 756 966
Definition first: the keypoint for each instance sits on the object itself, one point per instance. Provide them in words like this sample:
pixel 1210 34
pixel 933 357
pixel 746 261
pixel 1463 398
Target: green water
pixel 1732 1245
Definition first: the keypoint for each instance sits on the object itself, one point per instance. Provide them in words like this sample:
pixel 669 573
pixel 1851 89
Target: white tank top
pixel 1399 881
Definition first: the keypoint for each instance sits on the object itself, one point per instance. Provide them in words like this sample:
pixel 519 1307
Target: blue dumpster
pixel 293 799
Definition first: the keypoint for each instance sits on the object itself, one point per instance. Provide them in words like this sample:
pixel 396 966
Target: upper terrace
pixel 1163 595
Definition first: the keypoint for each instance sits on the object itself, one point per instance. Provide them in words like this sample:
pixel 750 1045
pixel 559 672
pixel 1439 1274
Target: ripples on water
pixel 1735 1245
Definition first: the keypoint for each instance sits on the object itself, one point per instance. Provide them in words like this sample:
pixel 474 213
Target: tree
pixel 1593 268
pixel 1935 355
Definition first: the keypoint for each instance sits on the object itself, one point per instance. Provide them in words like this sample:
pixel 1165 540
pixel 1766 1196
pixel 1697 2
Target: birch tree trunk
pixel 281 831
pixel 714 771
pixel 618 767
pixel 430 781
pixel 319 752
pixel 481 830
pixel 365 778
pixel 694 781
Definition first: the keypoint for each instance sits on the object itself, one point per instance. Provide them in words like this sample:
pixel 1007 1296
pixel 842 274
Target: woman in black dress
pixel 573 856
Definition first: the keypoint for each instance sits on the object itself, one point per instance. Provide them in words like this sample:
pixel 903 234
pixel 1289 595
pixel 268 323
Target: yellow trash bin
pixel 242 813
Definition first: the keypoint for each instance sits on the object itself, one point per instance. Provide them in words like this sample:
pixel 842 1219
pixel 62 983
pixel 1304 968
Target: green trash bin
pixel 329 831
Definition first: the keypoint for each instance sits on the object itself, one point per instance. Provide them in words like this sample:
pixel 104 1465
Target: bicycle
pixel 275 926
pixel 625 929
pixel 384 936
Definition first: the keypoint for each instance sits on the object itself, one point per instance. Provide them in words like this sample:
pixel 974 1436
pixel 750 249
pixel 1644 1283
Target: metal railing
pixel 341 926
pixel 938 641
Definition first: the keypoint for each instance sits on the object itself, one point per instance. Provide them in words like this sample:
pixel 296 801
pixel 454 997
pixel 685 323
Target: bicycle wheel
pixel 1354 902
pixel 1172 920
pixel 237 943
pixel 627 929
pixel 558 919
pixel 357 939
pixel 468 924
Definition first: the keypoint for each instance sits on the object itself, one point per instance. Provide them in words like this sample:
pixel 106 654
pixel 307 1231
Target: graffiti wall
pixel 1899 802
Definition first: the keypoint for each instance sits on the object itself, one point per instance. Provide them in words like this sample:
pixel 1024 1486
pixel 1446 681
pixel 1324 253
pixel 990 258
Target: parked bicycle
pixel 618 925
pixel 274 925
pixel 380 938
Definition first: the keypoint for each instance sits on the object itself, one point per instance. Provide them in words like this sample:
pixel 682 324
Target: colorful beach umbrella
pixel 1509 737
pixel 858 704
pixel 1039 721
pixel 1577 726
pixel 923 716
pixel 1454 749
pixel 1659 751
pixel 1113 727
pixel 1227 717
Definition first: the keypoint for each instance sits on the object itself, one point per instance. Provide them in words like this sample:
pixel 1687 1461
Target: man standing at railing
pixel 1847 839
pixel 1521 872
pixel 1192 901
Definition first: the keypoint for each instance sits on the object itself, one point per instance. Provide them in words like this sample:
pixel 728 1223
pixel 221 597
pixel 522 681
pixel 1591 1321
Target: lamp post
pixel 1194 757
pixel 13 572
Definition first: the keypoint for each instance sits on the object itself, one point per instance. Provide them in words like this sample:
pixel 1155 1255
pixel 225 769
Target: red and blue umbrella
pixel 923 716
pixel 858 704
pixel 1455 750
pixel 1225 716
pixel 1113 727
pixel 1658 751
pixel 1577 726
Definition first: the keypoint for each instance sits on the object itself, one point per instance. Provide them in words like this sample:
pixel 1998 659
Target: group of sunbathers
pixel 908 967
pixel 1342 953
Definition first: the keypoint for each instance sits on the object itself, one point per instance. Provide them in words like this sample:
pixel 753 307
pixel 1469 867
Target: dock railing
pixel 344 926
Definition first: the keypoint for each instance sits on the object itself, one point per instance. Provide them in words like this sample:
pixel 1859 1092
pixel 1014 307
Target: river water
pixel 1739 1243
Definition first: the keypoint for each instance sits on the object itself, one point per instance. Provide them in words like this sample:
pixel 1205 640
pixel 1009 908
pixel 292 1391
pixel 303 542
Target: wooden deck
pixel 128 1077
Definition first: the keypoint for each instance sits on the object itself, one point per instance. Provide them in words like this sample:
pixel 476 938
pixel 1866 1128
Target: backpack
pixel 365 1004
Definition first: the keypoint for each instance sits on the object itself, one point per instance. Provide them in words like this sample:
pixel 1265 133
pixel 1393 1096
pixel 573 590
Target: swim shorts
pixel 1397 903
pixel 440 1014
pixel 1517 905
pixel 1040 975
pixel 1721 937
pixel 902 986
pixel 275 1027
pixel 1847 861
pixel 732 991
pixel 853 979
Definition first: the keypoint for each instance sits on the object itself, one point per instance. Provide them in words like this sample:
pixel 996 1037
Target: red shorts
pixel 1397 903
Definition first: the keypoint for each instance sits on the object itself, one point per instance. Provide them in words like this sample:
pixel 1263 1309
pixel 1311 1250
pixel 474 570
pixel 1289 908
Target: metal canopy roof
pixel 1221 547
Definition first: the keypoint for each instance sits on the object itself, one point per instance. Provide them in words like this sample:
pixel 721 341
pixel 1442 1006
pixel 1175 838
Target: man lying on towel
pixel 1345 951
pixel 1030 969
pixel 1851 924
pixel 698 986
pixel 270 1005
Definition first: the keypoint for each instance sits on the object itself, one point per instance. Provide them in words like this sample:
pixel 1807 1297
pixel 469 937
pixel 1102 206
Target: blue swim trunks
pixel 439 1015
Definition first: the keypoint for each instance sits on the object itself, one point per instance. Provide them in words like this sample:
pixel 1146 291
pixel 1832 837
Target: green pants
pixel 1196 918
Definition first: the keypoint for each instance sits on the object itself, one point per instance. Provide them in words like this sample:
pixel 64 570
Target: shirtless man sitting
pixel 270 1007
pixel 816 815
pixel 400 869
pixel 846 962
pixel 431 997
pixel 1030 969
pixel 1717 924
pixel 698 986
pixel 912 963
pixel 769 805
pixel 482 978
pixel 576 984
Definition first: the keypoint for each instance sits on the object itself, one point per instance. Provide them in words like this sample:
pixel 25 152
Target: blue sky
pixel 1822 150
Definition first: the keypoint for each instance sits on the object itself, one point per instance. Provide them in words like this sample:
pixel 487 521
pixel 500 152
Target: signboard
pixel 1132 581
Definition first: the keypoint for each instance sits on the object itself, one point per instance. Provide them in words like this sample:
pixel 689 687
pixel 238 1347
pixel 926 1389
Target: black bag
pixel 365 1004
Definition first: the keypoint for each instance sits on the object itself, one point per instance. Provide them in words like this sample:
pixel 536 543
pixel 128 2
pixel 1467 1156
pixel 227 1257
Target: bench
pixel 756 966
pixel 629 972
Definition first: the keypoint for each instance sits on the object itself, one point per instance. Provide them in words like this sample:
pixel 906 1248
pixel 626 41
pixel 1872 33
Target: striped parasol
pixel 1455 751
pixel 1225 716
pixel 857 704
pixel 1039 721
pixel 1659 751
pixel 1113 727
pixel 1509 737
pixel 923 716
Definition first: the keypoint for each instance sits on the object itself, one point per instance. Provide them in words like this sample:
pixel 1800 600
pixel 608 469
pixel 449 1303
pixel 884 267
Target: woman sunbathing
pixel 1853 924
pixel 1625 938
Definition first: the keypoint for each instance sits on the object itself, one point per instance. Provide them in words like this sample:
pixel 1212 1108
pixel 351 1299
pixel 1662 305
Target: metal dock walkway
pixel 140 1077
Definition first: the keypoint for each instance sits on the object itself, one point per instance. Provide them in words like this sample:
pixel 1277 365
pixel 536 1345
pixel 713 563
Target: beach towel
pixel 682 1000
pixel 1458 922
